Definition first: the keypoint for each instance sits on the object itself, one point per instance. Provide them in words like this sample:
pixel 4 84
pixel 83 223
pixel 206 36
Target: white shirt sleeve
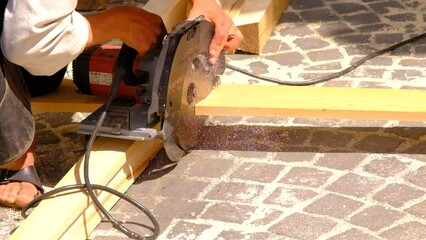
pixel 43 36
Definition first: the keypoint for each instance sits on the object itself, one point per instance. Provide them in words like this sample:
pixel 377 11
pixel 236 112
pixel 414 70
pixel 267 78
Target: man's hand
pixel 227 36
pixel 135 26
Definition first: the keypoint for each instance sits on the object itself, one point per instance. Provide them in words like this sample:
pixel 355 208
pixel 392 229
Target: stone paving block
pixel 416 148
pixel 234 192
pixel 103 237
pixel 373 27
pixel 403 17
pixel 362 19
pixel 388 38
pixel 334 206
pixel 210 168
pixel 385 7
pixel 324 55
pixel 304 176
pixel 318 15
pixel 329 30
pixel 226 212
pixel 186 231
pixel 295 136
pixel 178 208
pixel 239 235
pixel 406 75
pixel 303 5
pixel 302 226
pixel 175 187
pixel 295 157
pixel 352 39
pixel 311 43
pixel 379 144
pixel 385 167
pixel 340 161
pixel 413 63
pixel 331 139
pixel 378 61
pixel 353 234
pixel 406 231
pixel 257 172
pixel 248 155
pixel 299 30
pixel 358 50
pixel 354 185
pixel 418 210
pixel 287 59
pixel 345 8
pixel 397 195
pixel 345 83
pixel 271 46
pixel 418 177
pixel 376 218
pixel 326 66
pixel 265 217
pixel 289 197
pixel 290 17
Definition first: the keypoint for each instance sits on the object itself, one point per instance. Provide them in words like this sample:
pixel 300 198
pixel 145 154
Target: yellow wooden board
pixel 66 99
pixel 114 163
pixel 256 19
pixel 315 102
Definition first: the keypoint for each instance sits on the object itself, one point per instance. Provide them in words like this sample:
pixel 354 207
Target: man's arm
pixel 227 36
pixel 43 36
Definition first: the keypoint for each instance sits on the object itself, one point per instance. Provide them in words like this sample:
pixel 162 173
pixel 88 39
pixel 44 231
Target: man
pixel 43 36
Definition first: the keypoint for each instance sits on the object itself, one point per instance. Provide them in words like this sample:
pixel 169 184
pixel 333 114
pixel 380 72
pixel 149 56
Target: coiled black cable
pixel 352 67
pixel 119 74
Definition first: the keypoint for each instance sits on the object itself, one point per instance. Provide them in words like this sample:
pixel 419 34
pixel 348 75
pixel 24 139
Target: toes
pixel 9 192
pixel 26 194
pixel 17 193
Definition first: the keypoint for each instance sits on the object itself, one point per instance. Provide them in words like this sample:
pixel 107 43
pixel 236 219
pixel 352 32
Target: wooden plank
pixel 73 216
pixel 256 19
pixel 66 99
pixel 315 102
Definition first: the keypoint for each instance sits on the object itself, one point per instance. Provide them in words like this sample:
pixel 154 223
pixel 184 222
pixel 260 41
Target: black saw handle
pixel 124 65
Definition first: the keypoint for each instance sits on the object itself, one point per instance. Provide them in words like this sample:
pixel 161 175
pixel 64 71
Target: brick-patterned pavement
pixel 287 178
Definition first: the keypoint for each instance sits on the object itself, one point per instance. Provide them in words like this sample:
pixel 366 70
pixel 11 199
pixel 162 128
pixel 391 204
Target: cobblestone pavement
pixel 287 178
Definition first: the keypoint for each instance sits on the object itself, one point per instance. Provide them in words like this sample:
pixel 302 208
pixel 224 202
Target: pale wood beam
pixel 315 102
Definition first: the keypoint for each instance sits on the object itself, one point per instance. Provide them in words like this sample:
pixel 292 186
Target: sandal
pixel 27 174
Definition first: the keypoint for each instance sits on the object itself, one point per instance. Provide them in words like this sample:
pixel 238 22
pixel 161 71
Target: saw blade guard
pixel 187 78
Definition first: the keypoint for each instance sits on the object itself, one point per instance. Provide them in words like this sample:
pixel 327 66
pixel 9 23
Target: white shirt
pixel 43 36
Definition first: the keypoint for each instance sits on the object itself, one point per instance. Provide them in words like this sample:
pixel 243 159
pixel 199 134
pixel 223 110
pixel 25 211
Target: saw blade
pixel 191 79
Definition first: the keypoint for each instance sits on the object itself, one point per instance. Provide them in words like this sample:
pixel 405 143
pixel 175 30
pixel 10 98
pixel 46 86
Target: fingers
pixel 227 36
pixel 234 39
pixel 218 42
pixel 138 28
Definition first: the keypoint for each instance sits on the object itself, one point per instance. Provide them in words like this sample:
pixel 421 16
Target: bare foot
pixel 18 194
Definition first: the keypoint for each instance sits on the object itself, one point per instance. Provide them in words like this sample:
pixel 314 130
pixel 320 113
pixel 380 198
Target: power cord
pixel 126 55
pixel 351 67
pixel 119 74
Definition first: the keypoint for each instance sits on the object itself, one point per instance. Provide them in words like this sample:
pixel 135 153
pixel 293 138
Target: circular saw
pixel 162 87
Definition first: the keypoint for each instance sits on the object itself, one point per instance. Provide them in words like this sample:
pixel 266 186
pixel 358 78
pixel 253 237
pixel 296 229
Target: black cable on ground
pixel 330 76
